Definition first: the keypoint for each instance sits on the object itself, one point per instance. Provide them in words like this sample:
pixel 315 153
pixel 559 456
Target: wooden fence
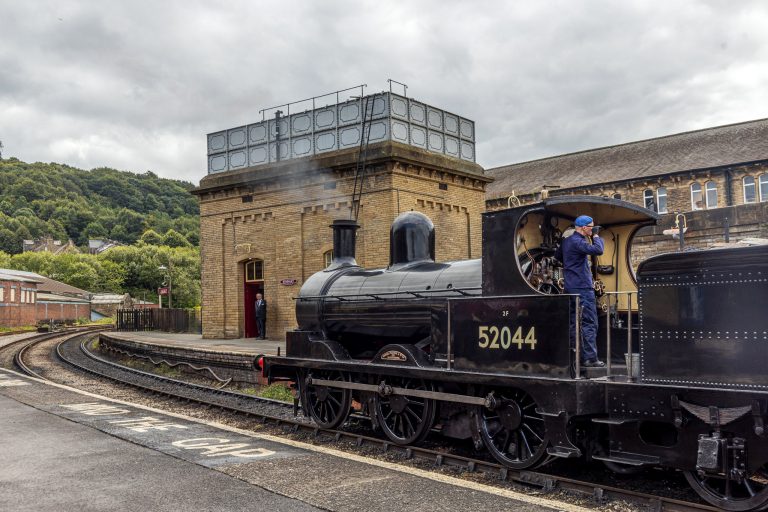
pixel 168 320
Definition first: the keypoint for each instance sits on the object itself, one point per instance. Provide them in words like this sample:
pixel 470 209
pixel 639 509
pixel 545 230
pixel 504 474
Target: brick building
pixel 61 308
pixel 51 300
pixel 716 177
pixel 18 296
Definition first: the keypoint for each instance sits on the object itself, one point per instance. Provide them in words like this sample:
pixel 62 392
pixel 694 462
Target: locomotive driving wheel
pixel 328 406
pixel 728 493
pixel 405 419
pixel 513 432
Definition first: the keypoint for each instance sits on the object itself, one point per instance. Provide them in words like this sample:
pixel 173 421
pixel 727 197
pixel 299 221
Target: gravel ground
pixel 666 483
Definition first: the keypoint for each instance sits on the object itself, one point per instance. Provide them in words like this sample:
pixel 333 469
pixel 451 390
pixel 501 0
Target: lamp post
pixel 169 268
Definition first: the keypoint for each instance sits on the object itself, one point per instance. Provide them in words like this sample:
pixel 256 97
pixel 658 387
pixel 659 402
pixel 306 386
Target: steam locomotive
pixel 480 349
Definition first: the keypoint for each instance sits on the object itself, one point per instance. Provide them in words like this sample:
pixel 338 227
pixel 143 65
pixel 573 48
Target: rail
pixel 547 482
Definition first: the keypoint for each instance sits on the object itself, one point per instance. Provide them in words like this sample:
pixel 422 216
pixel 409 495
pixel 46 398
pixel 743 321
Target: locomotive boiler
pixel 480 349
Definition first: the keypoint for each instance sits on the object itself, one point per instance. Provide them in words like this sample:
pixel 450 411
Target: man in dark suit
pixel 261 315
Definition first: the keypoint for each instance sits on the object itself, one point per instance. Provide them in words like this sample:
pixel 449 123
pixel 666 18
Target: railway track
pixel 74 351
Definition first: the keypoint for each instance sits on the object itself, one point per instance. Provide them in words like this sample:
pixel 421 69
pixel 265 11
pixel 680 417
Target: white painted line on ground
pixel 457 482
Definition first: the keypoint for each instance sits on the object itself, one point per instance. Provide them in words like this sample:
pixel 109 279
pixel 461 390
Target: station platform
pixel 228 358
pixel 248 346
pixel 66 449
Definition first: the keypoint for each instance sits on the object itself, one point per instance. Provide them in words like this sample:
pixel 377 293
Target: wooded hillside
pixel 63 202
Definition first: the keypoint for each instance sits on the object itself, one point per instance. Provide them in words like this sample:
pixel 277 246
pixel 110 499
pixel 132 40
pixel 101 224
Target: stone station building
pixel 715 177
pixel 266 228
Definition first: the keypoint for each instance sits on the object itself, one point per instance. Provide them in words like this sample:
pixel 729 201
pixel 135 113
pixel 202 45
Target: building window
pixel 254 271
pixel 2 293
pixel 661 199
pixel 23 298
pixel 763 182
pixel 711 188
pixel 697 200
pixel 748 184
pixel 648 200
pixel 617 196
pixel 13 294
pixel 32 297
pixel 328 258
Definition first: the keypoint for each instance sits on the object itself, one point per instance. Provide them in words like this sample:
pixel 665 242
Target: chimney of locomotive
pixel 411 239
pixel 344 238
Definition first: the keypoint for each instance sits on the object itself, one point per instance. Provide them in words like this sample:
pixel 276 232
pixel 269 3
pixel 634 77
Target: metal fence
pixel 168 320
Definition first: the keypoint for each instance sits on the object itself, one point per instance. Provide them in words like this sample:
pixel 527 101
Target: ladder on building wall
pixel 362 156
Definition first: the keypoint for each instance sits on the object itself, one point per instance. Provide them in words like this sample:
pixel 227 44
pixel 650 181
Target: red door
pixel 251 289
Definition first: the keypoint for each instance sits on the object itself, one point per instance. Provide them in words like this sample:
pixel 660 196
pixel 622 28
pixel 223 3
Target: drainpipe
pixel 728 187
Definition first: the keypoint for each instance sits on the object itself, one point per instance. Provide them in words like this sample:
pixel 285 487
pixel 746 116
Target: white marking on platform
pixel 146 423
pixel 218 446
pixel 96 409
pixel 6 381
pixel 517 496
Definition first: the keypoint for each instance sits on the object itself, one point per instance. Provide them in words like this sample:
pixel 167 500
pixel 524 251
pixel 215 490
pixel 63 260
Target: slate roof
pixel 109 298
pixel 56 297
pixel 711 147
pixel 46 284
pixel 4 276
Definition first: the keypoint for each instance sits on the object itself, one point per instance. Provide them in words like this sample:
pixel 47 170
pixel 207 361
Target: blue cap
pixel 583 220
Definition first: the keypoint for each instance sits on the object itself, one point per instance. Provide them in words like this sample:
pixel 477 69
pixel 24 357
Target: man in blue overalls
pixel 574 252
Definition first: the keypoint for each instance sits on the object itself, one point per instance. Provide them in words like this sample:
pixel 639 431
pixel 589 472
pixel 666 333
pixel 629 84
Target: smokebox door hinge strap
pixel 676 412
pixel 757 415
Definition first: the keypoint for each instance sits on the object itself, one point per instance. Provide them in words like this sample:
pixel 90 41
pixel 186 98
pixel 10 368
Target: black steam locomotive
pixel 480 349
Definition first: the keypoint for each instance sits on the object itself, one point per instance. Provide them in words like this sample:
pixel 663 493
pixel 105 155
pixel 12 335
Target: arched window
pixel 748 183
pixel 711 188
pixel 697 200
pixel 648 200
pixel 763 182
pixel 328 258
pixel 661 199
pixel 254 271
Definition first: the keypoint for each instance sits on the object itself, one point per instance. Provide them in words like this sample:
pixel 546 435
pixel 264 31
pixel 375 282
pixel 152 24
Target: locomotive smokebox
pixel 411 239
pixel 344 238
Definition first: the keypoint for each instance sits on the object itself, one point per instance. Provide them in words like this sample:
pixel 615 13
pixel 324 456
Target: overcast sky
pixel 136 85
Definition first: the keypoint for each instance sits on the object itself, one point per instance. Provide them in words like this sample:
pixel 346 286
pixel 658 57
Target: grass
pixel 101 321
pixel 23 328
pixel 276 391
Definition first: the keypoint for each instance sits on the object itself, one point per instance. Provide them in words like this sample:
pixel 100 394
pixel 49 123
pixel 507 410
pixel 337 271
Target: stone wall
pixel 705 228
pixel 62 311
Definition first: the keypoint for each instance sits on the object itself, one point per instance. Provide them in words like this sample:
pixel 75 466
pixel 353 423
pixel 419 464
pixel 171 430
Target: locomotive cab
pixel 533 234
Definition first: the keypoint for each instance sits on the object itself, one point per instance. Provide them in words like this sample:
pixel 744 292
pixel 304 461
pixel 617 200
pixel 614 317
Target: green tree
pixel 8 241
pixel 94 230
pixel 5 260
pixel 173 238
pixel 38 262
pixel 152 237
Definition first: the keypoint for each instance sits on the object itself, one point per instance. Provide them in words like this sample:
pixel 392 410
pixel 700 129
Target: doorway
pixel 254 283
